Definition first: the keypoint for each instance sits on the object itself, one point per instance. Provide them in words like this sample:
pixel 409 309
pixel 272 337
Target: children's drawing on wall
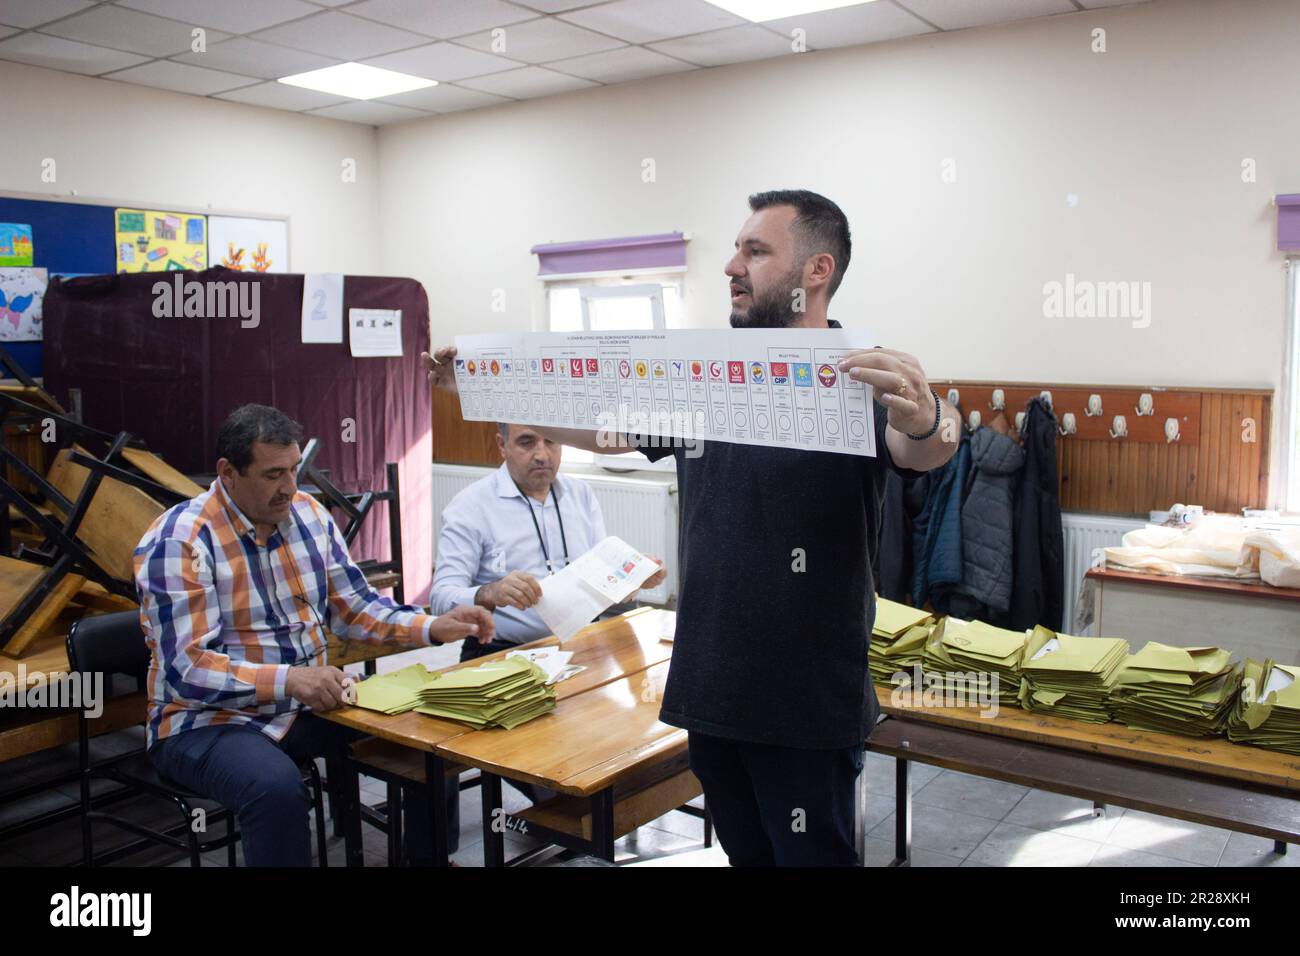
pixel 249 245
pixel 150 240
pixel 15 244
pixel 22 290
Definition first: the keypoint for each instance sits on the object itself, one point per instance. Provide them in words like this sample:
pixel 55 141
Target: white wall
pixel 1149 136
pixel 120 142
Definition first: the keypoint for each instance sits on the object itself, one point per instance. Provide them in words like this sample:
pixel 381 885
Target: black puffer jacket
pixel 1038 595
pixel 987 521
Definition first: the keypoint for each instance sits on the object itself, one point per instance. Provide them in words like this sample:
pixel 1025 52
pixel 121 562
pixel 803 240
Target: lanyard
pixel 541 539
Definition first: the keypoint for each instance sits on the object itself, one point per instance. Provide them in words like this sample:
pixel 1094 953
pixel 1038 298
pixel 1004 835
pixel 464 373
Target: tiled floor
pixel 958 820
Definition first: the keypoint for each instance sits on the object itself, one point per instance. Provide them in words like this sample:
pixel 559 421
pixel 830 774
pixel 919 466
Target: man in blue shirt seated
pixel 503 534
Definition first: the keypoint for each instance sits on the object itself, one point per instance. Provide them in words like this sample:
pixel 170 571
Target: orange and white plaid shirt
pixel 225 617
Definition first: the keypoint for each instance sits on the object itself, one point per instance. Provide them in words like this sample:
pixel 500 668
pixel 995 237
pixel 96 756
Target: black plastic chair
pixel 110 644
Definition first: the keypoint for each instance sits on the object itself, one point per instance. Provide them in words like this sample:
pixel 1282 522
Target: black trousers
pixel 779 806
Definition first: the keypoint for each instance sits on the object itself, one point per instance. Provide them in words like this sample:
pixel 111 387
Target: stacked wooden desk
pixel 1202 780
pixel 604 737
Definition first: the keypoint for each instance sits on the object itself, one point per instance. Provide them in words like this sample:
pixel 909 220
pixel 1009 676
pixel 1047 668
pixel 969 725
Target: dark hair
pixel 504 429
pixel 821 226
pixel 248 424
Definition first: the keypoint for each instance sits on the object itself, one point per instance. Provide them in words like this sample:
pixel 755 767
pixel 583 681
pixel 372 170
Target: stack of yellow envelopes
pixel 897 639
pixel 976 656
pixel 395 692
pixel 504 693
pixel 1267 712
pixel 1176 690
pixel 1070 676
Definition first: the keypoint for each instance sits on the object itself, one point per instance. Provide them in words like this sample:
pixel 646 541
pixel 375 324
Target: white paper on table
pixel 607 574
pixel 552 660
pixel 775 387
pixel 375 333
pixel 322 307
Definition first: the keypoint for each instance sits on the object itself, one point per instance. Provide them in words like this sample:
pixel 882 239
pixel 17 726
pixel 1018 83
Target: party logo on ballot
pixel 756 373
pixel 715 371
pixel 495 367
pixel 803 374
pixel 780 373
pixel 548 366
pixel 826 375
pixel 660 370
pixel 697 370
pixel 593 367
pixel 641 369
pixel 736 373
pixel 577 367
pixel 471 368
pixel 624 368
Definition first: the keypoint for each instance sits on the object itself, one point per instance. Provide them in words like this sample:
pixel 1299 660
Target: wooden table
pixel 1251 618
pixel 1202 780
pixel 603 732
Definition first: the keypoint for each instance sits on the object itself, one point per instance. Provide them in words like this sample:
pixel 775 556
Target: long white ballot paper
pixel 605 575
pixel 752 386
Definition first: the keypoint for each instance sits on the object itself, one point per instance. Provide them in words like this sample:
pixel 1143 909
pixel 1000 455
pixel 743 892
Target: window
pixel 604 304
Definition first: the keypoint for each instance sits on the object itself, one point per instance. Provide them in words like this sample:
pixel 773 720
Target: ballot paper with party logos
pixel 606 575
pixel 778 387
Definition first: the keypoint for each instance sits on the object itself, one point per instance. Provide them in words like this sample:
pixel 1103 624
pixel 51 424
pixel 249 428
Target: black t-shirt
pixel 765 652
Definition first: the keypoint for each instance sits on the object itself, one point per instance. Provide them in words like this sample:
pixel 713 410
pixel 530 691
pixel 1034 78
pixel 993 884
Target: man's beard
pixel 775 310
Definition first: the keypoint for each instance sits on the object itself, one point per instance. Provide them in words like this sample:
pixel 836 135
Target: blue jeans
pixel 257 779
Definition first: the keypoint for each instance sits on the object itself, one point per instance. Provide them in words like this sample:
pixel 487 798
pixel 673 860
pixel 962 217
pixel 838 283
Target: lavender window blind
pixel 1288 222
pixel 663 251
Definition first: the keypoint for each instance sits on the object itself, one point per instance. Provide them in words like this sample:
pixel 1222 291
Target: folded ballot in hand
pixel 1070 676
pixel 1267 710
pixel 608 574
pixel 1176 690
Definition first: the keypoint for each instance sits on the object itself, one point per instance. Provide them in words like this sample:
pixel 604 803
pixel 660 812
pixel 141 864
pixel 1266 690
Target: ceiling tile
pixel 957 14
pixel 181 78
pixel 848 26
pixel 619 66
pixel 733 45
pixel 233 16
pixel 59 54
pixel 443 98
pixel 443 61
pixel 370 112
pixel 442 18
pixel 540 40
pixel 526 83
pixel 281 96
pixel 254 58
pixel 641 21
pixel 123 29
pixel 551 6
pixel 339 35
pixel 26 13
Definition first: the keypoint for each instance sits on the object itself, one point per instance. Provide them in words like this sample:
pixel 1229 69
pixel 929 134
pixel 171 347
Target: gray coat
pixel 987 519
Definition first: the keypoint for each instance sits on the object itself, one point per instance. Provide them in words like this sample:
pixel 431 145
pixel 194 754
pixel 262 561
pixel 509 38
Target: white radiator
pixel 1083 534
pixel 641 510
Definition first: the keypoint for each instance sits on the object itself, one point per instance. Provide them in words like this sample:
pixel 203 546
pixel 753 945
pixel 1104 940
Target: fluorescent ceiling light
pixel 357 81
pixel 760 10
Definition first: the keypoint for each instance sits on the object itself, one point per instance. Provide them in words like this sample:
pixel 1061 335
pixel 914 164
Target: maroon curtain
pixel 171 381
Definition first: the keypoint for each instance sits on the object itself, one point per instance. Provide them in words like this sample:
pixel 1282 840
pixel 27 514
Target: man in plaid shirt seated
pixel 237 586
